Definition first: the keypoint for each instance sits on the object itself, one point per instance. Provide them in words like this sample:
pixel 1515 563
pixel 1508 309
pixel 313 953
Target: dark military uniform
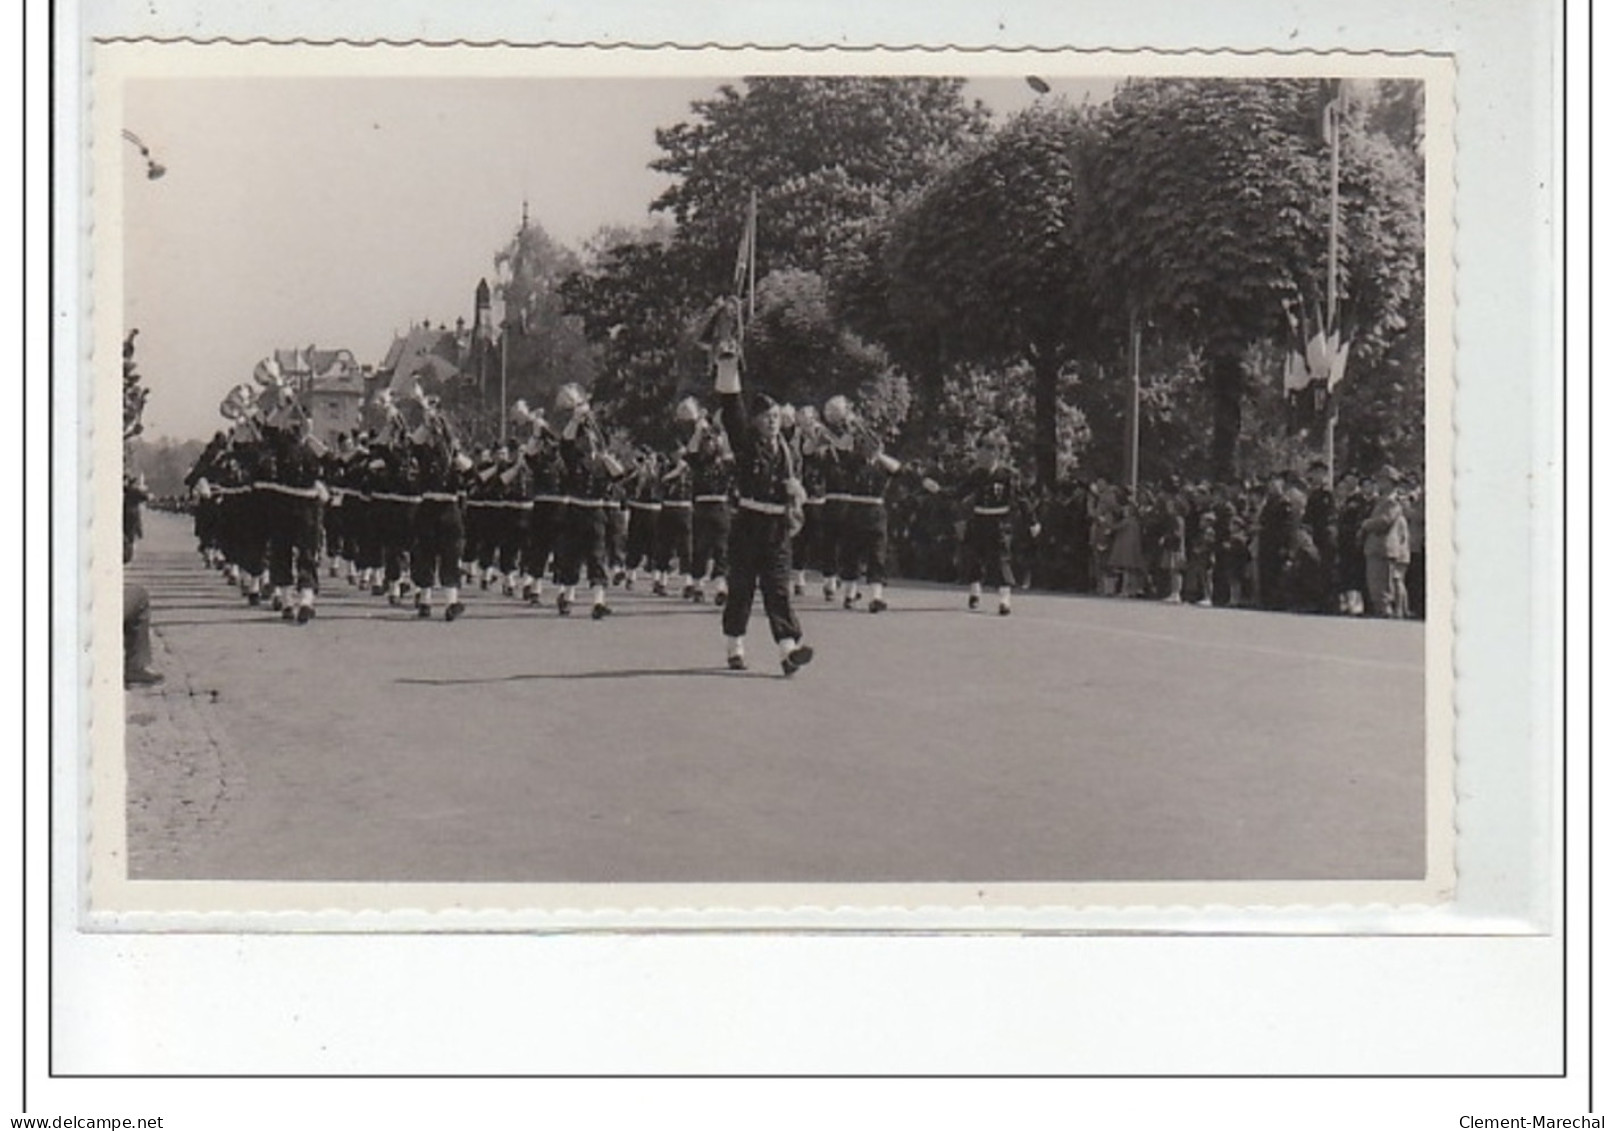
pixel 546 476
pixel 361 518
pixel 807 549
pixel 394 483
pixel 644 510
pixel 760 537
pixel 673 525
pixel 289 484
pixel 357 541
pixel 582 552
pixel 333 515
pixel 252 515
pixel 712 473
pixel 997 501
pixel 831 472
pixel 232 483
pixel 510 514
pixel 202 480
pixel 864 527
pixel 438 545
pixel 481 542
pixel 616 530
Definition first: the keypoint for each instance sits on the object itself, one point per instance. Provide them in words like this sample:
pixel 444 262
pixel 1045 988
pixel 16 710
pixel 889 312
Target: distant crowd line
pixel 1292 542
pixel 1289 543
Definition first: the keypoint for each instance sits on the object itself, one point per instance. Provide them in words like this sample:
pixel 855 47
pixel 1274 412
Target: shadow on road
pixel 617 673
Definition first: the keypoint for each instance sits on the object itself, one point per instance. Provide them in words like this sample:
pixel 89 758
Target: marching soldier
pixel 644 512
pixel 836 442
pixel 806 438
pixel 439 531
pixel 201 480
pixel 767 516
pixel 393 481
pixel 673 525
pixel 867 471
pixel 355 506
pixel 712 475
pixel 510 513
pixel 343 515
pixel 292 494
pixel 996 497
pixel 588 470
pixel 361 518
pixel 480 547
pixel 616 531
pixel 244 533
pixel 545 474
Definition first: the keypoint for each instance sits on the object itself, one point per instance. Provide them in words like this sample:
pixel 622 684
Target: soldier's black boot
pixel 799 658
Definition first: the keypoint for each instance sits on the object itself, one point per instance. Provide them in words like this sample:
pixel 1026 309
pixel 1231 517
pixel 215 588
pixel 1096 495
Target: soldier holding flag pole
pixel 767 479
pixel 760 539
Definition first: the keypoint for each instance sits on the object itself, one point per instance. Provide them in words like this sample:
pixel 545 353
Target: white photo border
pixel 1510 840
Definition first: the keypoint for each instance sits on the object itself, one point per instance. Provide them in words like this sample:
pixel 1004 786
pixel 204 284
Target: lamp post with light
pixel 1135 344
pixel 154 171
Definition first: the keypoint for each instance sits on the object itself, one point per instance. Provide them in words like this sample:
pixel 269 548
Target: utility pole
pixel 1332 325
pixel 1133 397
pixel 504 371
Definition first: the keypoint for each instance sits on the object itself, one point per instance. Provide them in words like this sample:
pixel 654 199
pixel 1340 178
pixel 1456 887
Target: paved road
pixel 1079 740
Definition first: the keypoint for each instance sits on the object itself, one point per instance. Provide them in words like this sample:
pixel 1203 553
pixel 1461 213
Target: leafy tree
pixel 164 463
pixel 822 153
pixel 1394 109
pixel 1382 407
pixel 983 266
pixel 135 392
pixel 1210 213
pixel 545 345
pixel 798 351
pixel 974 400
pixel 636 300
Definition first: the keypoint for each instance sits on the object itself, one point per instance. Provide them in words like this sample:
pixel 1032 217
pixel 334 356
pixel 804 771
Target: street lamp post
pixel 153 170
pixel 1136 340
pixel 1332 281
pixel 1135 362
pixel 504 370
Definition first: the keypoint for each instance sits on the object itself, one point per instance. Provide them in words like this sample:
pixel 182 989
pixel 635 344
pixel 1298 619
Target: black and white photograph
pixel 1030 487
pixel 1014 544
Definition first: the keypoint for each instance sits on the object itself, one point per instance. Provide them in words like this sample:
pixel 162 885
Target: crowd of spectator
pixel 1292 542
pixel 1289 543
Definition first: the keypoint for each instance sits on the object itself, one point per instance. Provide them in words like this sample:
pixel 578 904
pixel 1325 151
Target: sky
pixel 336 211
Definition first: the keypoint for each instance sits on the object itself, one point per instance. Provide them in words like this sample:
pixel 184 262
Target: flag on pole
pixel 743 255
pixel 1314 364
pixel 751 258
pixel 745 278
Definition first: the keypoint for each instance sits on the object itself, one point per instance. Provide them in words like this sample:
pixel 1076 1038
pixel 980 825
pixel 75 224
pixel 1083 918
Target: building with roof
pixel 330 386
pixel 431 355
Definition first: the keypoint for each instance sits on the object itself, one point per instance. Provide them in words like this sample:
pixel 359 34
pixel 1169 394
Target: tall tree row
pixel 904 243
